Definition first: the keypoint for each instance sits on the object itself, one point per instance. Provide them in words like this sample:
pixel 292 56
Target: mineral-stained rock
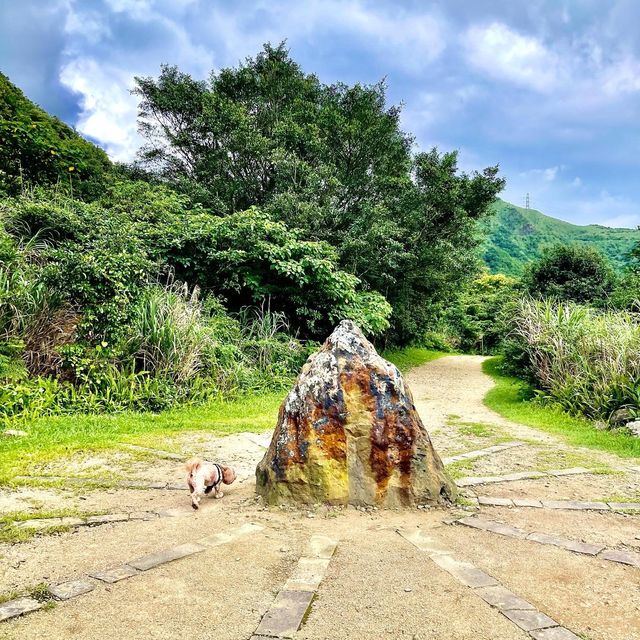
pixel 348 433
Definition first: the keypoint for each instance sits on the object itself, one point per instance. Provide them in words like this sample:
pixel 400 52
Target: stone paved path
pixel 545 544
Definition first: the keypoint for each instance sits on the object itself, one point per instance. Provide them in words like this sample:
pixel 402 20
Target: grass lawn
pixel 411 357
pixel 505 399
pixel 54 437
pixel 57 436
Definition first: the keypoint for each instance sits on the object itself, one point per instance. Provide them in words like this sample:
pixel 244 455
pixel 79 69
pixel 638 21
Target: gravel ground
pixel 377 584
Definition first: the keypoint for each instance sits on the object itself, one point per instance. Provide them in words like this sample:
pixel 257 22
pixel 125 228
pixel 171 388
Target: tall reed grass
pixel 585 360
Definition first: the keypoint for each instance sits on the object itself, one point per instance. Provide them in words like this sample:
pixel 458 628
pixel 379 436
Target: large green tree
pixel 329 160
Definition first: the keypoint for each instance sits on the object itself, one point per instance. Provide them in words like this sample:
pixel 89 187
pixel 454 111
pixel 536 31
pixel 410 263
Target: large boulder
pixel 349 433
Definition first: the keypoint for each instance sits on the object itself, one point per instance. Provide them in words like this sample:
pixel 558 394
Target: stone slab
pixel 307 575
pixel 479 453
pixel 472 481
pixel 14 608
pixel 502 598
pixel 285 615
pixel 109 517
pixel 494 527
pixel 115 575
pixel 71 589
pixel 631 506
pixel 569 472
pixel 143 515
pixel 423 542
pixel 565 543
pixel 39 523
pixel 575 505
pixel 321 547
pixel 553 633
pixel 522 475
pixel 495 502
pixel 624 557
pixel 223 537
pixel 464 572
pixel 529 620
pixel 527 502
pixel 168 555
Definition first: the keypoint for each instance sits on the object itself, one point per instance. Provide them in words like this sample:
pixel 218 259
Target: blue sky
pixel 549 89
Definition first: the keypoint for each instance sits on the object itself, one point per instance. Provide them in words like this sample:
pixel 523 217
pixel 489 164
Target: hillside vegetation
pixel 517 236
pixel 36 147
pixel 264 207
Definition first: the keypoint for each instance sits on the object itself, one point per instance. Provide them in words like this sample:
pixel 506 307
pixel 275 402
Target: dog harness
pixel 210 487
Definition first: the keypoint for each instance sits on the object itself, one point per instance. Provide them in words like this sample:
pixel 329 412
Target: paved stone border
pixel 599 550
pixel 92 521
pixel 522 613
pixel 479 453
pixel 105 482
pixel 574 505
pixel 75 588
pixel 472 481
pixel 285 615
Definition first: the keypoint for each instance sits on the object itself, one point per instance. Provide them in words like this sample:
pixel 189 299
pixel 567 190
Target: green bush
pixel 479 321
pixel 571 272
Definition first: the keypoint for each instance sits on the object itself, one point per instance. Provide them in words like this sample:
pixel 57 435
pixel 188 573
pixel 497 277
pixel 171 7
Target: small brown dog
pixel 204 477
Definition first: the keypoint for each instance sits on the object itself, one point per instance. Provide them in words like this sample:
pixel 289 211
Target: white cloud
pixel 505 54
pixel 629 220
pixel 547 175
pixel 622 76
pixel 108 110
pixel 609 210
pixel 409 41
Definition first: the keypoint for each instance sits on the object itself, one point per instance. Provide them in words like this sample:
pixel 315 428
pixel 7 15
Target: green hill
pixel 517 236
pixel 38 148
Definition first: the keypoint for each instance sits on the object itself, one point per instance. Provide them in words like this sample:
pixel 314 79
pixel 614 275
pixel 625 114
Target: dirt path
pixel 377 584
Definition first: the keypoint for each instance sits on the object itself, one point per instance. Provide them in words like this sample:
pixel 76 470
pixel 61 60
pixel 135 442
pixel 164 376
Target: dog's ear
pixel 193 464
pixel 228 475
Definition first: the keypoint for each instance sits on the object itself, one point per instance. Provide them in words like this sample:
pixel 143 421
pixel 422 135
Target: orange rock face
pixel 348 433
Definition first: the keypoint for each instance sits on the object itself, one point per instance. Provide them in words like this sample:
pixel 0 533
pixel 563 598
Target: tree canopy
pixel 328 160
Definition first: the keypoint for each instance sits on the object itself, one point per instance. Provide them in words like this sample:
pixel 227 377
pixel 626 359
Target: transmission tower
pixel 526 201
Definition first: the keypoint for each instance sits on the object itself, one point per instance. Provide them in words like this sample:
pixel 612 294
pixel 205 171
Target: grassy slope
pixel 517 236
pixel 506 400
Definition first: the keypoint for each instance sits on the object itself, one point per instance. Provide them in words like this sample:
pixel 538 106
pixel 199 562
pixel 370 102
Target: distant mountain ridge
pixel 517 236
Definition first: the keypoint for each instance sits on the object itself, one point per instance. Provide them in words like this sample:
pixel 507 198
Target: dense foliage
pixel 38 148
pixel 329 161
pixel 481 319
pixel 517 236
pixel 585 360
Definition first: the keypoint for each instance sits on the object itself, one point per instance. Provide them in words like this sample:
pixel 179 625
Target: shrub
pixel 479 319
pixel 586 360
pixel 571 272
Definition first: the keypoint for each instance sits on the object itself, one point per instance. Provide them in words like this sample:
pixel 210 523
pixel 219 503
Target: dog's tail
pixel 193 464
